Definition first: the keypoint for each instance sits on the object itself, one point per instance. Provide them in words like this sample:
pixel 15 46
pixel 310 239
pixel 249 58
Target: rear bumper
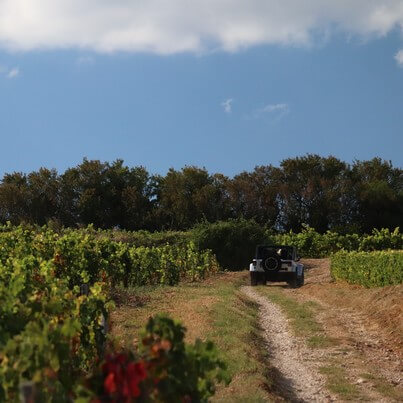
pixel 279 276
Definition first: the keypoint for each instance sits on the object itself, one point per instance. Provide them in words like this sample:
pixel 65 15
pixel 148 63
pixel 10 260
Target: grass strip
pixel 302 317
pixel 214 310
pixel 382 387
pixel 337 382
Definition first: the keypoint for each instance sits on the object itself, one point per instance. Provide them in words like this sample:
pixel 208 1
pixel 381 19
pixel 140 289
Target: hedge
pixel 370 269
pixel 233 242
pixel 312 244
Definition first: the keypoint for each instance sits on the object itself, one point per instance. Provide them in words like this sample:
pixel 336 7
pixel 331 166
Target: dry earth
pixel 300 378
pixel 364 324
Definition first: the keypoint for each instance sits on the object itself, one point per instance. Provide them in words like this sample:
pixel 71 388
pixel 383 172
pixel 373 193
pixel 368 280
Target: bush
pixel 49 334
pixel 55 301
pixel 146 238
pixel 164 369
pixel 81 256
pixel 233 242
pixel 312 244
pixel 370 269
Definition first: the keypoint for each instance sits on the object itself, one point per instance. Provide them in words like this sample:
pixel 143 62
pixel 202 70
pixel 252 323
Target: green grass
pixel 214 310
pixel 236 333
pixel 384 388
pixel 337 382
pixel 302 317
pixel 303 322
pixel 320 341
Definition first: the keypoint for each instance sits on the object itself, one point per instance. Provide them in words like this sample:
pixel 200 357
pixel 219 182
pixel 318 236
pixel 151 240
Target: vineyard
pixel 315 245
pixel 55 303
pixel 370 269
pixel 85 257
pixel 56 300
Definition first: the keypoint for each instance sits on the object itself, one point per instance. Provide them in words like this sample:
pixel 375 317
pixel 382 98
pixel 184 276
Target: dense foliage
pixel 312 244
pixel 49 334
pixel 324 193
pixel 163 369
pixel 54 305
pixel 370 269
pixel 147 238
pixel 233 242
pixel 87 256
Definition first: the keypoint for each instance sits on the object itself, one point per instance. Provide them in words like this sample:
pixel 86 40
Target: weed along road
pixel 326 341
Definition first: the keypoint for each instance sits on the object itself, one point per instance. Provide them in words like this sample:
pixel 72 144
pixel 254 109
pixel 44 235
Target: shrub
pixel 49 334
pixel 163 369
pixel 233 242
pixel 370 269
pixel 81 256
pixel 312 244
pixel 146 238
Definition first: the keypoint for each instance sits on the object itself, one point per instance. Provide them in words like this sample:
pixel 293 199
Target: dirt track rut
pixel 299 378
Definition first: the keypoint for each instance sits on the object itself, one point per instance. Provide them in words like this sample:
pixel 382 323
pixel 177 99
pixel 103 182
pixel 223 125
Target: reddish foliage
pixel 122 377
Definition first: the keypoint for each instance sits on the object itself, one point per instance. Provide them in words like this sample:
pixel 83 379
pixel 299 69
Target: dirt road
pixel 350 347
pixel 298 377
pixel 322 342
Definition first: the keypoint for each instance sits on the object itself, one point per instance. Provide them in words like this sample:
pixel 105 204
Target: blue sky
pixel 212 102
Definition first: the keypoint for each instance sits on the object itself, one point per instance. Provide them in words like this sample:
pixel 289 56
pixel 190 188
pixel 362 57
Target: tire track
pixel 299 378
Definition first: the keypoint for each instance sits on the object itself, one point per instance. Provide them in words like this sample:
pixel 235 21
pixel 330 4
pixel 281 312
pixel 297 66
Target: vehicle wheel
pixel 261 278
pixel 300 280
pixel 293 281
pixel 253 278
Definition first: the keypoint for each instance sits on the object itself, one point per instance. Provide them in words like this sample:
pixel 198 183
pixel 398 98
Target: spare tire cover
pixel 272 263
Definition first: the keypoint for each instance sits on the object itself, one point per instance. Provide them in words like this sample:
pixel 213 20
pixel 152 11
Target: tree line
pixel 322 192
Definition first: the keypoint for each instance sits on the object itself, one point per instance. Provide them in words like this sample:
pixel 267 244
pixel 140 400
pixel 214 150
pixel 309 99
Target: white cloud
pixel 275 107
pixel 399 58
pixel 227 105
pixel 274 110
pixel 166 27
pixel 13 73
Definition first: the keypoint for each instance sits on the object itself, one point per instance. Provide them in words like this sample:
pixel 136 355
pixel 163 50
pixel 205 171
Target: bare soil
pixel 380 308
pixel 299 378
pixel 367 322
pixel 365 326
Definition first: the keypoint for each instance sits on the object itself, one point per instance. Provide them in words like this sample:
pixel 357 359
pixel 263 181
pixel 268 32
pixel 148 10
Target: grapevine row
pixel 51 333
pixel 370 269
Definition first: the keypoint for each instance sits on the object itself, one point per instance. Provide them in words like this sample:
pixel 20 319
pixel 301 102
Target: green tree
pixel 378 190
pixel 253 195
pixel 14 198
pixel 310 190
pixel 187 196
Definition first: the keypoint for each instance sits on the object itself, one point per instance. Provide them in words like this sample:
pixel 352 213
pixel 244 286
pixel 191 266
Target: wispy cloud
pixel 227 105
pixel 13 73
pixel 84 60
pixel 399 58
pixel 275 107
pixel 9 73
pixel 276 111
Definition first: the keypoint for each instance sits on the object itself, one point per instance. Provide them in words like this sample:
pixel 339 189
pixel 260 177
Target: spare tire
pixel 272 263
